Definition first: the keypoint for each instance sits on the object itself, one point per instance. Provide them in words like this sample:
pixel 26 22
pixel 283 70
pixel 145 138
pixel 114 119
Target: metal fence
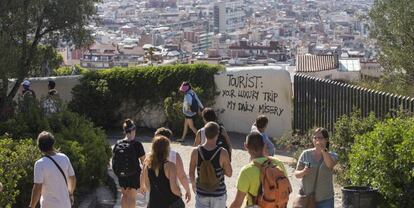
pixel 320 102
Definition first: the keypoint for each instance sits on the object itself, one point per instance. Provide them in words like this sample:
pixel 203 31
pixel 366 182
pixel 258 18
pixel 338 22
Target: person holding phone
pixel 315 169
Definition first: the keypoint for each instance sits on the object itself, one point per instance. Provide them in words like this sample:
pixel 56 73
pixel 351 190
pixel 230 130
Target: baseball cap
pixel 185 86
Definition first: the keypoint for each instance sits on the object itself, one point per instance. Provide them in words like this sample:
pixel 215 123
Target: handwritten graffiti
pixel 270 96
pixel 249 107
pixel 246 94
pixel 270 109
pixel 228 93
pixel 250 94
pixel 231 105
pixel 245 107
pixel 244 81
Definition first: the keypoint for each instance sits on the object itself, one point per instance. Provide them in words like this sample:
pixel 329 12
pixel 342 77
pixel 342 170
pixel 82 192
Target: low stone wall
pixel 150 116
pixel 64 85
pixel 245 93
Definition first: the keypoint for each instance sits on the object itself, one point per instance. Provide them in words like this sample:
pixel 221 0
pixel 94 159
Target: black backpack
pixel 125 161
pixel 194 104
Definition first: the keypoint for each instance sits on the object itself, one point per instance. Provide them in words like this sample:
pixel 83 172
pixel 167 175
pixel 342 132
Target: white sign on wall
pixel 247 92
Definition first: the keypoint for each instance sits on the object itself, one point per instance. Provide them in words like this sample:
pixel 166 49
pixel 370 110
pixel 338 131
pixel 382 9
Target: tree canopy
pixel 393 28
pixel 30 29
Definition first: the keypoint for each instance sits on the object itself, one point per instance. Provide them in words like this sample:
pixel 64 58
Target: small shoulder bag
pixel 307 201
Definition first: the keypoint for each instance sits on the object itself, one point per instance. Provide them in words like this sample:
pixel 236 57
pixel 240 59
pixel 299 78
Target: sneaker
pixel 180 140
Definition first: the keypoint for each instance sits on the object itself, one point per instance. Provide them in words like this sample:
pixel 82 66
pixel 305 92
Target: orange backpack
pixel 274 186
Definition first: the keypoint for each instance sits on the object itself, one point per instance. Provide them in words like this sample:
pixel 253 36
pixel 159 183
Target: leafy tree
pixel 30 28
pixel 46 60
pixel 393 28
pixel 384 158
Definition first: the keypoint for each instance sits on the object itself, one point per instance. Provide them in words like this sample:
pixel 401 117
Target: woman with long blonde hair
pixel 160 177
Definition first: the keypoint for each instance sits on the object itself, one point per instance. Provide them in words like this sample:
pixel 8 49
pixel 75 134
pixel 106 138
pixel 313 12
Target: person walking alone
pixel 54 177
pixel 191 108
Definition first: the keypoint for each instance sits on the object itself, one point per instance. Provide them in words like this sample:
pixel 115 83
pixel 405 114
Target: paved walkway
pixel 239 156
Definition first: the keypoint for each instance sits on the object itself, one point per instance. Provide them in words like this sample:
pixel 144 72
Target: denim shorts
pixel 328 203
pixel 210 202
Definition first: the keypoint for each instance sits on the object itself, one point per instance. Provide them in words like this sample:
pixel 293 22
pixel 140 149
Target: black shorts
pixel 190 117
pixel 129 181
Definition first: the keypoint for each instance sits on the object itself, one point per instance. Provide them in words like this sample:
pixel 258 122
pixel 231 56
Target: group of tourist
pixel 49 103
pixel 261 183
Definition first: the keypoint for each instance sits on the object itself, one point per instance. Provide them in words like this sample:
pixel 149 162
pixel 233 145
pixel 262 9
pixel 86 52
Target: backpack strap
pixel 212 157
pixel 217 151
pixel 60 169
pixel 267 163
pixel 201 152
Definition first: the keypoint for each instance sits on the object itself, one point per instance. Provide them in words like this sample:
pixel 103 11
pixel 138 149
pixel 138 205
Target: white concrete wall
pixel 64 85
pixel 247 92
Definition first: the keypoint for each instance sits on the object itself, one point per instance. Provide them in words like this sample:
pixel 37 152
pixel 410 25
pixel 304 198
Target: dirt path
pixel 240 158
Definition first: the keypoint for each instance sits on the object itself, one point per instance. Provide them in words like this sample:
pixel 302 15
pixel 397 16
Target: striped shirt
pixel 221 190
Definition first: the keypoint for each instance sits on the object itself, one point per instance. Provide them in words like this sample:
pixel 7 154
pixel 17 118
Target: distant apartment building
pixel 162 3
pixel 71 56
pixel 99 56
pixel 273 50
pixel 229 15
pixel 129 55
pixel 201 41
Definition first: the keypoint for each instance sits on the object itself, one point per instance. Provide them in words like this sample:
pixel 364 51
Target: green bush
pixel 384 158
pixel 66 70
pixel 101 94
pixel 295 143
pixel 84 144
pixel 347 128
pixel 174 111
pixel 16 171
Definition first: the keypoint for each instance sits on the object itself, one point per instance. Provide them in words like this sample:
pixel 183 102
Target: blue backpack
pixel 194 104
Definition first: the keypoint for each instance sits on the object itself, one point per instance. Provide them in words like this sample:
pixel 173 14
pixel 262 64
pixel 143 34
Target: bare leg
pixel 128 198
pixel 124 200
pixel 132 198
pixel 191 125
pixel 185 130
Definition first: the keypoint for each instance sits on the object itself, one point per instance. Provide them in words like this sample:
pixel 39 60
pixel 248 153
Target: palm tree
pixel 150 54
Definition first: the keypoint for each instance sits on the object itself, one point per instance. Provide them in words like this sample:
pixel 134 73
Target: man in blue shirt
pixel 260 126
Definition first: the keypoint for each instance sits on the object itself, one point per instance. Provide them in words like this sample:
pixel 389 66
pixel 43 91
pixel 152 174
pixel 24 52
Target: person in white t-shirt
pixel 54 177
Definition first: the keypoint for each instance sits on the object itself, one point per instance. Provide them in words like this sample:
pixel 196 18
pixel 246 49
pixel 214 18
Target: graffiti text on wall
pixel 246 94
